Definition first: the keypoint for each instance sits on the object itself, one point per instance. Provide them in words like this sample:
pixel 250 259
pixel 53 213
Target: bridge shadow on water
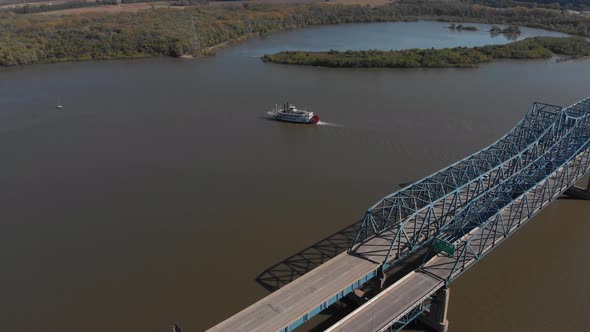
pixel 307 259
pixel 293 267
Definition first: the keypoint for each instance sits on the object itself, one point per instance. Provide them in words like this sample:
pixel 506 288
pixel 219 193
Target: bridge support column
pixel 436 316
pixel 380 280
pixel 579 193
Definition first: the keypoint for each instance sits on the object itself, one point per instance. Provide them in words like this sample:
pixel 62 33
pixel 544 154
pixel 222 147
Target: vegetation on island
pixel 579 5
pixel 461 27
pixel 530 48
pixel 511 30
pixel 198 29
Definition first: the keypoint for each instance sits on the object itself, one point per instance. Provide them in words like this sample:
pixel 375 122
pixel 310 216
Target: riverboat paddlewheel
pixel 314 119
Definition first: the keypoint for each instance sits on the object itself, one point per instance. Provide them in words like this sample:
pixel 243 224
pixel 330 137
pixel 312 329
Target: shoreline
pixel 212 50
pixel 456 57
pixel 227 31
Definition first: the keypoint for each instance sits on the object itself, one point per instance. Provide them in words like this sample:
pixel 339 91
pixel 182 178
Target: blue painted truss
pixel 446 201
pixel 494 216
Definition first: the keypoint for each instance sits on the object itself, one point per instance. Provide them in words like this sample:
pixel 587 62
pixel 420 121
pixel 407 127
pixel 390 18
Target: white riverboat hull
pixel 289 113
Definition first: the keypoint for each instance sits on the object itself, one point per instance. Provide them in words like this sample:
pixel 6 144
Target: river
pixel 160 191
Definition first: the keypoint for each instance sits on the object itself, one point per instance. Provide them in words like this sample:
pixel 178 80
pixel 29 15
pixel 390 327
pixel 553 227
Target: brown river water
pixel 160 191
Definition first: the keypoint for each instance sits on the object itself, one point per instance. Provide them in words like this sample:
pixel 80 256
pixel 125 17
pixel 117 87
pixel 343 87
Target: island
pixel 461 27
pixel 510 30
pixel 79 30
pixel 530 48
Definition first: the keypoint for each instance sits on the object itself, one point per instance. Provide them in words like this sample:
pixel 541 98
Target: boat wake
pixel 328 124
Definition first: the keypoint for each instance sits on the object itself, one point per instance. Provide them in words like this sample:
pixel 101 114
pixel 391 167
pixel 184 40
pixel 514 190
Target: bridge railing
pixel 428 221
pixel 563 147
pixel 481 209
pixel 408 201
pixel 542 181
pixel 502 212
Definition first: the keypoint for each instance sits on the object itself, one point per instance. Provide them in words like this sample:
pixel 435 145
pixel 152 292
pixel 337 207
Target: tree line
pixel 554 4
pixel 26 39
pixel 530 48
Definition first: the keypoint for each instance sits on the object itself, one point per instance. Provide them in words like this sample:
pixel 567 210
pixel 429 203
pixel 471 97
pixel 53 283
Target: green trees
pixel 460 27
pixel 511 30
pixel 28 39
pixel 530 48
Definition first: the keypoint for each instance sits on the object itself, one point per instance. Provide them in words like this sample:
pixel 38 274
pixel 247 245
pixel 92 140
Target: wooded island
pixel 530 48
pixel 198 29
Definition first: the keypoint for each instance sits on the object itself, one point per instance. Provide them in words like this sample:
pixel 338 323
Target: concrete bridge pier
pixel 380 280
pixel 436 316
pixel 579 193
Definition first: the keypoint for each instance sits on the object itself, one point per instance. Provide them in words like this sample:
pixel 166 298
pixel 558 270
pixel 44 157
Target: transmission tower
pixel 195 45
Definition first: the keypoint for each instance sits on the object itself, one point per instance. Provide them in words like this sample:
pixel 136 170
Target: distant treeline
pixel 530 48
pixel 26 39
pixel 45 6
pixel 555 4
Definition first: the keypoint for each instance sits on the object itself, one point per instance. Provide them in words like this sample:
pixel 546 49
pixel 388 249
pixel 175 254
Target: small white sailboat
pixel 59 105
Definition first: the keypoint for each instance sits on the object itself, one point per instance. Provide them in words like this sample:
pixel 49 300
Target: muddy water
pixel 159 192
pixel 535 281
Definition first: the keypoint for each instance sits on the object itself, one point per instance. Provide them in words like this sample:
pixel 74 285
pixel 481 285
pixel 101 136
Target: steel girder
pixel 569 145
pixel 394 208
pixel 498 200
pixel 478 210
pixel 415 221
pixel 497 215
pixel 400 323
pixel 494 215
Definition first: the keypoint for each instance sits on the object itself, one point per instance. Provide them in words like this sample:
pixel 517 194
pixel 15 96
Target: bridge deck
pixel 392 302
pixel 441 265
pixel 288 304
pixel 291 302
pixel 295 303
pixel 396 300
pixel 285 306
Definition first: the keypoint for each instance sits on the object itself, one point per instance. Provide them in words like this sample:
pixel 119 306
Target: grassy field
pixel 133 7
pixel 122 8
pixel 37 3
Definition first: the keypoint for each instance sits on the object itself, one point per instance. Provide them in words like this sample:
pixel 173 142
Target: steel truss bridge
pixel 451 218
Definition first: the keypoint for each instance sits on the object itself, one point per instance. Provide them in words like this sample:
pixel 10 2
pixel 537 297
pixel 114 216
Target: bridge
pixel 450 220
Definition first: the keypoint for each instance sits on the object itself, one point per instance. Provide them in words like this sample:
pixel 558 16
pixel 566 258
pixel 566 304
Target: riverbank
pixel 145 150
pixel 196 30
pixel 530 48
